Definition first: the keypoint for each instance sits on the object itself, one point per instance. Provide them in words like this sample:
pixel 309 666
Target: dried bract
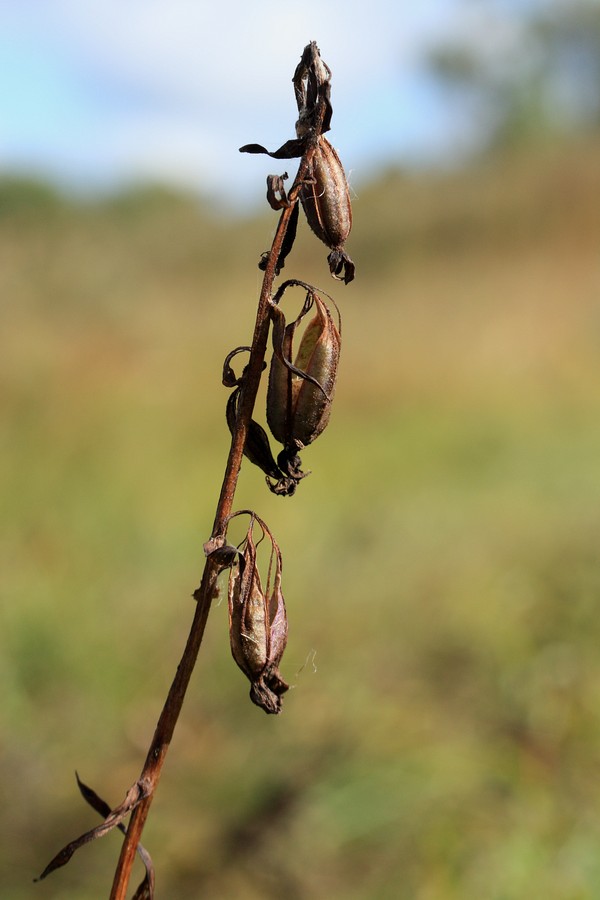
pixel 258 621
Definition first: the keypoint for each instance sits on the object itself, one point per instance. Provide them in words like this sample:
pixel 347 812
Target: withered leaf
pixel 290 150
pixel 145 890
pixel 135 795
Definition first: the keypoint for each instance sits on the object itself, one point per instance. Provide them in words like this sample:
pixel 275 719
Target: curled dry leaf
pixel 145 890
pixel 113 819
pixel 276 195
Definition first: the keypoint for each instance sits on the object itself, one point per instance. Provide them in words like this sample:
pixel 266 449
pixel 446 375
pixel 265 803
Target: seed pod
pixel 258 624
pixel 325 198
pixel 300 394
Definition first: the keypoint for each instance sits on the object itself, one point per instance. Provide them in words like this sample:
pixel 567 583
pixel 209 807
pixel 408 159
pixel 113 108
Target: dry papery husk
pixel 257 617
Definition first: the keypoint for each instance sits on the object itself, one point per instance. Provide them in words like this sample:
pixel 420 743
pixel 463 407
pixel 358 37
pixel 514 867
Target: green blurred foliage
pixel 535 74
pixel 441 570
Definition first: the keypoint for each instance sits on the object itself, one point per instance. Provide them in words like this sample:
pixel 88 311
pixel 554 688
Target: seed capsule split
pixel 258 622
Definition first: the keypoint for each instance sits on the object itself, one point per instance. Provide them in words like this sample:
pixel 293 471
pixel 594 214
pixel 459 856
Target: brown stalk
pixel 311 84
pixel 165 727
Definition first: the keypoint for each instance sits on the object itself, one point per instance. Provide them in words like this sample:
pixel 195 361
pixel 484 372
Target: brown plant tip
pixel 258 621
pixel 324 193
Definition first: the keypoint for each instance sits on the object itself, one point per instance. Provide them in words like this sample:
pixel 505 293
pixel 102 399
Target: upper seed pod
pixel 300 393
pixel 258 623
pixel 325 199
pixel 324 190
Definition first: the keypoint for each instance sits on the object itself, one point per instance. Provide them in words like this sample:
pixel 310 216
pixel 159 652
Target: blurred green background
pixel 441 570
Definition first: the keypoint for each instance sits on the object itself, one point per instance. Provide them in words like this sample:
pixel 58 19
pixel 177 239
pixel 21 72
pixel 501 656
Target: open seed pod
pixel 258 620
pixel 300 392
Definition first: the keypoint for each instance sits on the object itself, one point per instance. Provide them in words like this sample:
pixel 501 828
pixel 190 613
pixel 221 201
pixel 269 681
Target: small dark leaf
pixel 258 449
pixel 253 148
pixel 289 238
pixel 290 150
pixel 90 796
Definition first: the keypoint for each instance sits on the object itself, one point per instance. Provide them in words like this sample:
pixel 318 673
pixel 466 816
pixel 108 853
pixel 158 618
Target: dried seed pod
pixel 258 622
pixel 300 394
pixel 325 197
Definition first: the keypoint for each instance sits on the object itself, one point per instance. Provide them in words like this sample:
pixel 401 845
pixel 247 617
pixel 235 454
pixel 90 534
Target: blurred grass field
pixel 441 565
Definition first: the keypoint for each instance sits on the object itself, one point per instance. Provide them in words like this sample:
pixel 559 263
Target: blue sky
pixel 95 93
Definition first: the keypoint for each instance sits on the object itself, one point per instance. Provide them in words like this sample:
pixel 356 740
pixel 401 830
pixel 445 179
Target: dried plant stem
pixel 165 727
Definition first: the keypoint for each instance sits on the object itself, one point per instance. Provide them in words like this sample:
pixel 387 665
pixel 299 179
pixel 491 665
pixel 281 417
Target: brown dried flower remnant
pixel 258 620
pixel 324 195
